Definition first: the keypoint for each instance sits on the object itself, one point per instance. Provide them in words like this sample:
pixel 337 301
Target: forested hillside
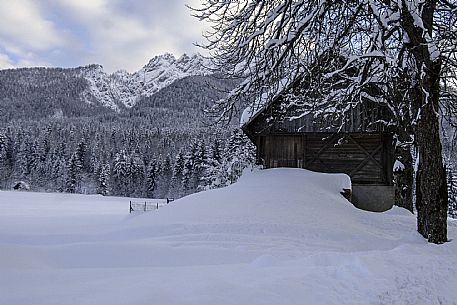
pixel 35 93
pixel 183 102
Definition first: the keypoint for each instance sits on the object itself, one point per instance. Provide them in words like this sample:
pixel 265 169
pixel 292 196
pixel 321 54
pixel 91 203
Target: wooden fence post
pixel 131 206
pixel 145 206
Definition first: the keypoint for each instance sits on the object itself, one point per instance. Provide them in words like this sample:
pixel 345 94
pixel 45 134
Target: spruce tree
pixel 22 160
pixel 4 160
pixel 121 172
pixel 74 168
pixel 166 174
pixel 103 180
pixel 200 165
pixel 81 153
pixel 151 178
pixel 178 169
pixel 188 186
pixel 135 171
pixel 211 177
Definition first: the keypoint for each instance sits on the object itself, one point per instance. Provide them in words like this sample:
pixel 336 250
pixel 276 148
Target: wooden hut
pixel 361 148
pixel 21 186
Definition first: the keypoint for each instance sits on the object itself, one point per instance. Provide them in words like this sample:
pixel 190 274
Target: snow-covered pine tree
pixel 73 178
pixel 216 150
pixel 151 178
pixel 94 159
pixel 22 164
pixel 178 169
pixel 136 170
pixel 211 177
pixel 35 156
pixel 200 165
pixel 58 173
pixel 38 166
pixel 121 173
pixel 239 154
pixel 5 167
pixel 97 169
pixel 165 177
pixel 61 150
pixel 103 187
pixel 82 154
pixel 188 171
pixel 3 146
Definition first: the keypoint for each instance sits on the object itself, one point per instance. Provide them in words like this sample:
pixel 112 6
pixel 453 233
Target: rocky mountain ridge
pixel 124 89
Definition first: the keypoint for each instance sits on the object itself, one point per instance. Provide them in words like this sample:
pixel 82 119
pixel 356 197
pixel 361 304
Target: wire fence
pixel 145 206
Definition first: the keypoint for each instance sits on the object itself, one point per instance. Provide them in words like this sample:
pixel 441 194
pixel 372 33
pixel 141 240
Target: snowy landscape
pixel 280 236
pixel 303 153
pixel 82 130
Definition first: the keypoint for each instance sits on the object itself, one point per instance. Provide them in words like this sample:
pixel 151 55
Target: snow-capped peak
pixel 100 87
pixel 162 70
pixel 163 60
pixel 123 88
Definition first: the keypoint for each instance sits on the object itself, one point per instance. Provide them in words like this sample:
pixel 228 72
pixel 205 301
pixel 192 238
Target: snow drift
pixel 280 236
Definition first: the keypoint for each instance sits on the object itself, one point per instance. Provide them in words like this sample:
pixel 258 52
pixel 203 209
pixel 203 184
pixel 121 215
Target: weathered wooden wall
pixel 366 157
pixel 274 120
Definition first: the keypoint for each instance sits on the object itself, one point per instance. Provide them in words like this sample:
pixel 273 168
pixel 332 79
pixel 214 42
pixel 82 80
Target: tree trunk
pixel 404 179
pixel 431 187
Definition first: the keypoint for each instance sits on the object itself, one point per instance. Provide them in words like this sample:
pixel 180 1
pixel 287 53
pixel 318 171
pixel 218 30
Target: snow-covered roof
pixel 248 114
pixel 265 100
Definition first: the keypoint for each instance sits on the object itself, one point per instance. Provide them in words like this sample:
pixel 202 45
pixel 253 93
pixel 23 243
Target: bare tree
pixel 397 53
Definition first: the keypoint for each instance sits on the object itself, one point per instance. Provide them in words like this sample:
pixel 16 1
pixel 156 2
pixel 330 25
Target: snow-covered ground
pixel 283 236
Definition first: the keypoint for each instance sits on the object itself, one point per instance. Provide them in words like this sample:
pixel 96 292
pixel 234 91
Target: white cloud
pixel 5 62
pixel 118 34
pixel 125 35
pixel 23 24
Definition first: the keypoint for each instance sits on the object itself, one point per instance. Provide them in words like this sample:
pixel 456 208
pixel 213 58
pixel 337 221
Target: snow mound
pixel 284 195
pixel 279 236
pixel 294 203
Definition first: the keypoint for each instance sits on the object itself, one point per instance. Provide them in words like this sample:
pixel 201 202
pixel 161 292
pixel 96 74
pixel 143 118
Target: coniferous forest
pixel 119 158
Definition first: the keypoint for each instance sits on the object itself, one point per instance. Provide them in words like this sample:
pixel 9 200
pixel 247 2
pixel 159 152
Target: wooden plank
pixel 362 164
pixel 366 152
pixel 329 142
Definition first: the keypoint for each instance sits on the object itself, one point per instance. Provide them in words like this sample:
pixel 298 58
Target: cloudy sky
pixel 119 34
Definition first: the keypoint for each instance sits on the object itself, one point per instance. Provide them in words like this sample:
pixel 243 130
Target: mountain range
pixel 35 93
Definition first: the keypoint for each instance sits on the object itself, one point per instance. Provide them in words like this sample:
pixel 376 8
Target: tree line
pixel 120 158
